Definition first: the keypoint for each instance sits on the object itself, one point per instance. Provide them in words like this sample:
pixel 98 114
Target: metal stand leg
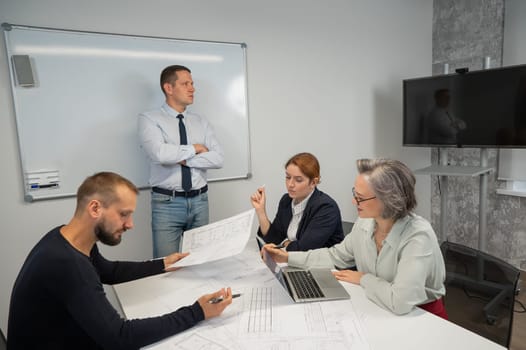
pixel 483 201
pixel 443 197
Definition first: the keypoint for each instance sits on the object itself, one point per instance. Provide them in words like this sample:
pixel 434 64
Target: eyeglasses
pixel 360 200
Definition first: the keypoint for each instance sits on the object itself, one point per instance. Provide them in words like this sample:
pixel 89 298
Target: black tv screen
pixel 485 108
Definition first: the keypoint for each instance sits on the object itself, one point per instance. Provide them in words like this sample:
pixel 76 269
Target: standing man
pixel 181 146
pixel 58 301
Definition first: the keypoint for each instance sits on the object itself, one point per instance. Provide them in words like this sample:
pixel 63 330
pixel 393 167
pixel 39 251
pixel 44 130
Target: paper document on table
pixel 218 240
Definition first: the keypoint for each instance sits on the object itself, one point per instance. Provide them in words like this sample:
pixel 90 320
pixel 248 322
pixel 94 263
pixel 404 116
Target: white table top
pixel 348 324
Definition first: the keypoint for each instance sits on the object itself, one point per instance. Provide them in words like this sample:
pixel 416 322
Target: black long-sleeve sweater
pixel 58 302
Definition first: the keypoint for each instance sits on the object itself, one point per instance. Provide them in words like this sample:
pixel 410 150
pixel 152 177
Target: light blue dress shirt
pixel 159 138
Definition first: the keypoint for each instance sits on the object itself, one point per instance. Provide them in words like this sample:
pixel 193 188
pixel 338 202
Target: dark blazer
pixel 320 225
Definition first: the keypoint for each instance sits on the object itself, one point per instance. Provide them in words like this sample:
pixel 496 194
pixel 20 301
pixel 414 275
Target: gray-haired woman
pixel 397 255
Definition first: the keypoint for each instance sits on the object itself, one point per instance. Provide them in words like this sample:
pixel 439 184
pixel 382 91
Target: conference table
pixel 265 317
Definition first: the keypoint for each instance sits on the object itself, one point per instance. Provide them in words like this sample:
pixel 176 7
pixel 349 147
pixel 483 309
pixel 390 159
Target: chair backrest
pixel 3 342
pixel 347 227
pixel 480 291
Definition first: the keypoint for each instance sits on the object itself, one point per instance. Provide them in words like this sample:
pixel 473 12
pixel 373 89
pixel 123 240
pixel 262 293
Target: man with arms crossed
pixel 178 144
pixel 58 301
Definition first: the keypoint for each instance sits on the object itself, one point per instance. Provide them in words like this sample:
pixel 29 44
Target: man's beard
pixel 105 236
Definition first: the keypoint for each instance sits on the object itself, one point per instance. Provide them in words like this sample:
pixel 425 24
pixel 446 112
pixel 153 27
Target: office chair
pixel 480 291
pixel 347 227
pixel 3 341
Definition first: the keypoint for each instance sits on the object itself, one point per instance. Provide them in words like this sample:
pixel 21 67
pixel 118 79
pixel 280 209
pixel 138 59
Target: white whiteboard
pixel 80 115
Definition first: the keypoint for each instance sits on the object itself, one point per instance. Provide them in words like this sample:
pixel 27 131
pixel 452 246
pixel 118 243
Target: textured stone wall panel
pixel 464 33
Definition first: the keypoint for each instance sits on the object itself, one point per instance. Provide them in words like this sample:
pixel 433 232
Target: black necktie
pixel 186 176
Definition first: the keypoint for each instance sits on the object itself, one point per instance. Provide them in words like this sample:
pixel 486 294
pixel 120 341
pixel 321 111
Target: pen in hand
pixel 279 246
pixel 220 299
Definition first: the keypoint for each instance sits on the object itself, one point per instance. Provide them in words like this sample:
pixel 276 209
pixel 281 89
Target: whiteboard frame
pixel 44 193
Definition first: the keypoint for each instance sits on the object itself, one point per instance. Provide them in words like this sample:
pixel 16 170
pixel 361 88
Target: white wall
pixel 514 51
pixel 512 162
pixel 324 79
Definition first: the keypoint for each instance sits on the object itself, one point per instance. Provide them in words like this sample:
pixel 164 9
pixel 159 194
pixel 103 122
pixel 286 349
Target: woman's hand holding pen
pixel 258 199
pixel 275 252
pixel 212 308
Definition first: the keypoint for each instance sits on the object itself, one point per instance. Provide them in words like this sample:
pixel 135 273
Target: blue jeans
pixel 171 216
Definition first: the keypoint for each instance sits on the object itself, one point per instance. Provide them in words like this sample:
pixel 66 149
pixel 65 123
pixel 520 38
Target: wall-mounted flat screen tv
pixel 485 108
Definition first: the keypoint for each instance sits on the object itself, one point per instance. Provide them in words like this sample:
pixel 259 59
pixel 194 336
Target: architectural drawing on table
pixel 260 311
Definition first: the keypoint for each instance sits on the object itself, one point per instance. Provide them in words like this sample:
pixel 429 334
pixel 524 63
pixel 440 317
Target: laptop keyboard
pixel 305 285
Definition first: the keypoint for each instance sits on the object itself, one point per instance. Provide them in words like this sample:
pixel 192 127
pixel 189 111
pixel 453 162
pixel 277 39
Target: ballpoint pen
pixel 220 299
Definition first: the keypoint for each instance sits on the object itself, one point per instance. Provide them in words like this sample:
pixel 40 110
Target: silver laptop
pixel 307 285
